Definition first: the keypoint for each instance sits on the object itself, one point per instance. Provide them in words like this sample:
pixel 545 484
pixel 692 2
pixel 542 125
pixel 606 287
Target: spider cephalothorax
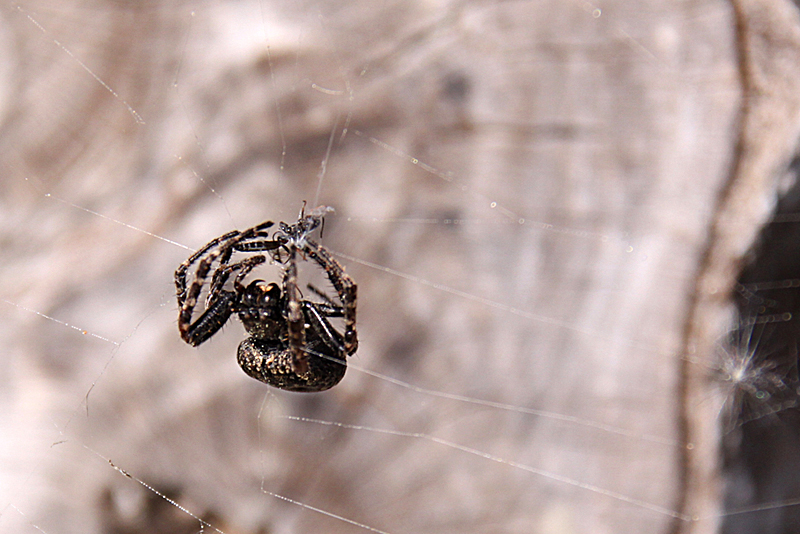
pixel 292 344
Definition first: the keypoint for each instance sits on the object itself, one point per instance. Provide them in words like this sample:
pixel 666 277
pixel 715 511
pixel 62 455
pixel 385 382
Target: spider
pixel 284 328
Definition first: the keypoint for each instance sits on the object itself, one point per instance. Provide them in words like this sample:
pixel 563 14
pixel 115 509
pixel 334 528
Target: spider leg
pixel 321 294
pixel 220 303
pixel 222 274
pixel 188 299
pixel 254 239
pixel 180 273
pixel 296 320
pixel 228 245
pixel 316 317
pixel 252 263
pixel 345 287
pixel 327 306
pixel 218 308
pixel 328 310
pixel 258 246
pixel 213 318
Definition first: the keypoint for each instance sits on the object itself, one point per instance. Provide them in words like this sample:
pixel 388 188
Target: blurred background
pixel 547 207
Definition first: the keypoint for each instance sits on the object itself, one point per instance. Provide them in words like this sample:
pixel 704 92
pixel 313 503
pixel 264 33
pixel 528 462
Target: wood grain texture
pixel 526 194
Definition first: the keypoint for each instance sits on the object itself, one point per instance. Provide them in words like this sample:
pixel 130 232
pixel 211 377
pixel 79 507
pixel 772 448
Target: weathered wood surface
pixel 528 194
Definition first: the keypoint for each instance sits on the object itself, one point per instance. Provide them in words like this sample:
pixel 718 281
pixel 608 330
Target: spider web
pixel 522 247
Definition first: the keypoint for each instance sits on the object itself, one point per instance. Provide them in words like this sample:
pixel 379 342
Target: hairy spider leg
pixel 232 237
pixel 327 307
pixel 212 319
pixel 222 274
pixel 218 309
pixel 215 315
pixel 180 273
pixel 321 294
pixel 345 287
pixel 258 246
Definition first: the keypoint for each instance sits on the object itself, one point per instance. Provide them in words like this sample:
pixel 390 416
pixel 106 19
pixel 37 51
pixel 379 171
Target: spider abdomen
pixel 271 362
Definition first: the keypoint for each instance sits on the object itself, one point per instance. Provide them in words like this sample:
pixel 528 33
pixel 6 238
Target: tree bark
pixel 545 206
